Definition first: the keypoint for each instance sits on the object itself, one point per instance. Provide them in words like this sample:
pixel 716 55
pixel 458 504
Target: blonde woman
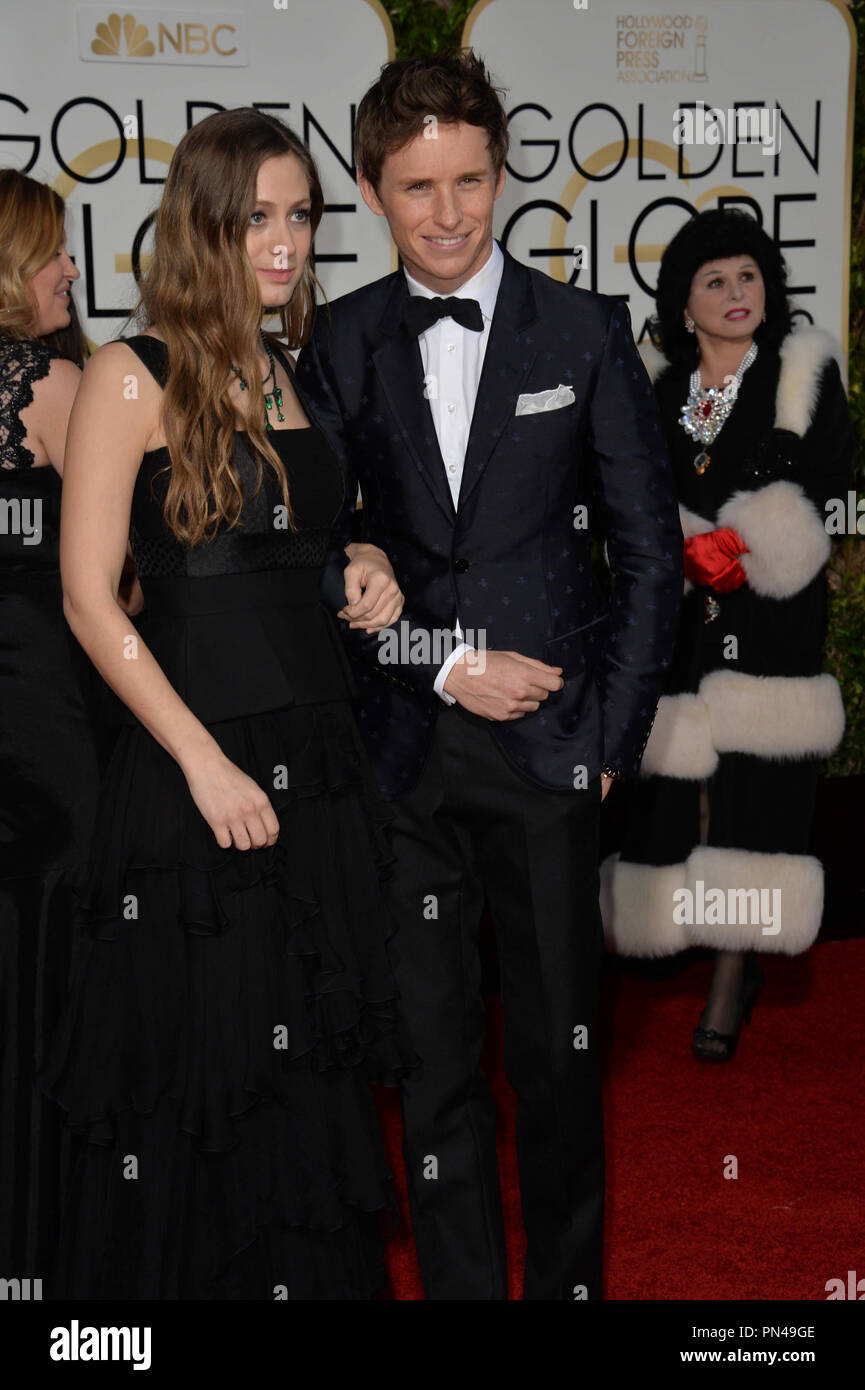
pixel 234 997
pixel 48 761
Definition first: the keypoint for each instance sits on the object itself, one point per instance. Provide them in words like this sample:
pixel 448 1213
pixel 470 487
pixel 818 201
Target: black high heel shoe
pixel 751 985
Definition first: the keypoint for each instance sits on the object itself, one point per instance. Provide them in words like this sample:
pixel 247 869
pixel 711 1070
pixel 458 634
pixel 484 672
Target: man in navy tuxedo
pixel 494 417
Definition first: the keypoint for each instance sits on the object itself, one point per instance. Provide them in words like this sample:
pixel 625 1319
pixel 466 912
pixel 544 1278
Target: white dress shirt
pixel 452 359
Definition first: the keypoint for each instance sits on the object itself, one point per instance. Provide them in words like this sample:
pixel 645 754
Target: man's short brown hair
pixel 453 86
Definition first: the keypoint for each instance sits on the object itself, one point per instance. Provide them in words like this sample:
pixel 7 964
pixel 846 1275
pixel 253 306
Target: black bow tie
pixel 420 313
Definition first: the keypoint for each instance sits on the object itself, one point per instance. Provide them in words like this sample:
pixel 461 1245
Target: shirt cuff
pixel 442 676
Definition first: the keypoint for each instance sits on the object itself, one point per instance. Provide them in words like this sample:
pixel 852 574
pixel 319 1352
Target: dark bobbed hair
pixel 715 235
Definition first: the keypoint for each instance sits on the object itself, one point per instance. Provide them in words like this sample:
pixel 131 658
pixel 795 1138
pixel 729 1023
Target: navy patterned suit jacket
pixel 510 559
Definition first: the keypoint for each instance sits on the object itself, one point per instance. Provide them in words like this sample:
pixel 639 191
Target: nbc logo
pixel 171 35
pixel 107 41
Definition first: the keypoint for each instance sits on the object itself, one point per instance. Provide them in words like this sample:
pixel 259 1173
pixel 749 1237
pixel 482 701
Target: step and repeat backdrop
pixel 624 118
pixel 94 99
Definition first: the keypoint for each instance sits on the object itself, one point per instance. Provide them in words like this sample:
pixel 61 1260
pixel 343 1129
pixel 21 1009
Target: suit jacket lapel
pixel 399 365
pixel 299 388
pixel 507 362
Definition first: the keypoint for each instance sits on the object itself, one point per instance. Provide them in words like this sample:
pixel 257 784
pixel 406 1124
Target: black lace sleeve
pixel 22 363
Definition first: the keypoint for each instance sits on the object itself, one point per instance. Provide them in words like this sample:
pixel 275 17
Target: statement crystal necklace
pixel 269 396
pixel 705 411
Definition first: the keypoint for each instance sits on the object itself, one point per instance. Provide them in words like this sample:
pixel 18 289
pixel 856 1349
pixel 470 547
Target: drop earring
pixel 689 323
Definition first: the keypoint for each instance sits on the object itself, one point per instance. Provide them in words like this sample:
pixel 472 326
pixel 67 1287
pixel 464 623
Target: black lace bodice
pixel 22 364
pixel 29 496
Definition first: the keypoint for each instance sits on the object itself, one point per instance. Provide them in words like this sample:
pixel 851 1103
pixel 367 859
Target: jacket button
pixel 461 566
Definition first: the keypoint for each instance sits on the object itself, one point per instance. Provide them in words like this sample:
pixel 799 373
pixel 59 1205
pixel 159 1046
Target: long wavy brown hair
pixel 31 230
pixel 201 293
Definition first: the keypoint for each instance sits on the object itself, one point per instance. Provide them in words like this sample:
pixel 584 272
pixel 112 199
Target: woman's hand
pixel 237 810
pixel 711 559
pixel 374 600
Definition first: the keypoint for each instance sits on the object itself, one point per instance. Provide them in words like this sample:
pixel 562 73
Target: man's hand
pixel 374 600
pixel 507 687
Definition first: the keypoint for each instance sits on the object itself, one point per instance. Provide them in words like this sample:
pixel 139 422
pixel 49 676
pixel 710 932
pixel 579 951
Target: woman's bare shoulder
pixel 55 389
pixel 116 357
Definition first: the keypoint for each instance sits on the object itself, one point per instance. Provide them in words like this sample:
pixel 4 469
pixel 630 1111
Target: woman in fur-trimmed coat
pixel 726 791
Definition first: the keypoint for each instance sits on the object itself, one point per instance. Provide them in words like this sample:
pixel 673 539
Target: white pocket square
pixel 536 401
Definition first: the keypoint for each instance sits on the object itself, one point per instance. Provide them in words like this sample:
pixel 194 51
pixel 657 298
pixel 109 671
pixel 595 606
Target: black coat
pixel 783 453
pixel 746 709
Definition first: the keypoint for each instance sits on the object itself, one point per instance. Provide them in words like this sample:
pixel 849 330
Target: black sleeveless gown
pixel 49 787
pixel 229 1009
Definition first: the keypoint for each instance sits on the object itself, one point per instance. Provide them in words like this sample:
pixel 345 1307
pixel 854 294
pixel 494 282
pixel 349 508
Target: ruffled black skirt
pixel 228 1011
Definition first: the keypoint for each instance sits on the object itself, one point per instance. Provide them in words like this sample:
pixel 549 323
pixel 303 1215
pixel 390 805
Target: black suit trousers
pixel 471 828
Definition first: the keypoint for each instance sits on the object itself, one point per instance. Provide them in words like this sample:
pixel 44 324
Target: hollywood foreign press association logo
pixel 135 38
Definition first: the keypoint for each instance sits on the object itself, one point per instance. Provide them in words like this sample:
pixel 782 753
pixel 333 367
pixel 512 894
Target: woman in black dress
pixel 48 761
pixel 232 999
pixel 761 440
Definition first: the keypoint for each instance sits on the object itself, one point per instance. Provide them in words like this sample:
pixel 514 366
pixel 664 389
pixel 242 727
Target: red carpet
pixel 790 1109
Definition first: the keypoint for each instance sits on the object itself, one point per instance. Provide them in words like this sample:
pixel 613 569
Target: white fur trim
pixel 798 879
pixel 654 360
pixel 784 533
pixel 680 744
pixel 692 524
pixel 803 353
pixel 637 907
pixel 774 716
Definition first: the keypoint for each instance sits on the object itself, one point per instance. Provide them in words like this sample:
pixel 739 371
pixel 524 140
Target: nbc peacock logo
pixel 125 28
pixel 173 34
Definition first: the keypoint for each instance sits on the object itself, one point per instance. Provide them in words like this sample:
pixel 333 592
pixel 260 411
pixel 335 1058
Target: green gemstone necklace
pixel 270 397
